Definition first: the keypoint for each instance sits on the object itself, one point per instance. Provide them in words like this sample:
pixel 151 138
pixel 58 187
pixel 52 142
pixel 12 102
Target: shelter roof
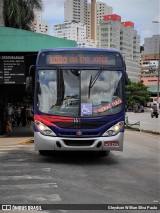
pixel 17 40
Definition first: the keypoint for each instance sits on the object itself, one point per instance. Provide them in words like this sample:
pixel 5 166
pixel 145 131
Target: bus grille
pixel 78 142
pixel 79 125
pixel 84 134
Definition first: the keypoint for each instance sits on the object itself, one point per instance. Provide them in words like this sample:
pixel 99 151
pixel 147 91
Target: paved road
pixel 128 177
pixel 146 122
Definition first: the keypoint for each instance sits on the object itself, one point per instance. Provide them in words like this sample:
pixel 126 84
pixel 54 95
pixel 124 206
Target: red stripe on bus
pixel 49 120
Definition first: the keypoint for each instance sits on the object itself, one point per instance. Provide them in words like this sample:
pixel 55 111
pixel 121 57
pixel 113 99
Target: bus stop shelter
pixel 18 51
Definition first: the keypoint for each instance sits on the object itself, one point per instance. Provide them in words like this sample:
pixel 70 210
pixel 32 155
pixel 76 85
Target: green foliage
pixel 137 93
pixel 19 13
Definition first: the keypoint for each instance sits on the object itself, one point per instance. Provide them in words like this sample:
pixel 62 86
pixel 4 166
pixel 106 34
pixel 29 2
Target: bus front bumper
pixel 42 142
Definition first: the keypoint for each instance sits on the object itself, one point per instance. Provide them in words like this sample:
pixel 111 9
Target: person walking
pixel 23 115
pixel 29 115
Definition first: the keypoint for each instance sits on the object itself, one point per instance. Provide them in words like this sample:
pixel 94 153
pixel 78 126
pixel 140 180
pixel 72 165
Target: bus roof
pixel 80 48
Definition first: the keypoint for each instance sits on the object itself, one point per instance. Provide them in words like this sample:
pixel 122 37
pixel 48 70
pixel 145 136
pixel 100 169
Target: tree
pixel 137 93
pixel 20 13
pixel 1 13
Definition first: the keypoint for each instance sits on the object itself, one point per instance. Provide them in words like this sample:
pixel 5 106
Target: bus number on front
pixel 77 60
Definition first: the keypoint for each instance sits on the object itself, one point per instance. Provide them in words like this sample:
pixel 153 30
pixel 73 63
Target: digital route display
pixel 80 57
pixel 58 59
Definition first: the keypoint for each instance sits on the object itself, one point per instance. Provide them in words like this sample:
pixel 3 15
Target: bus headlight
pixel 44 130
pixel 114 130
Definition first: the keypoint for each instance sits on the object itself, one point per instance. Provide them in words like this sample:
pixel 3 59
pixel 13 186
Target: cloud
pixel 53 10
pixel 141 12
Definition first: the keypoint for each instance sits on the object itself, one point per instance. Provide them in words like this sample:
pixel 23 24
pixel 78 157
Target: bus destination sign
pixel 80 59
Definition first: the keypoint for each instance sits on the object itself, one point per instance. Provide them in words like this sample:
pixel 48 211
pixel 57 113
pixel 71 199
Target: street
pixel 146 122
pixel 128 177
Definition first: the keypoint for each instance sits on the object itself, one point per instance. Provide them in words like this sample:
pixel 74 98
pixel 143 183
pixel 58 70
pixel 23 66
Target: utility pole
pixel 158 78
pixel 158 98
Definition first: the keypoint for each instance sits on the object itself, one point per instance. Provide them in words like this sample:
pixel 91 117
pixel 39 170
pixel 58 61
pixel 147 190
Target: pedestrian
pixel 29 115
pixel 18 115
pixel 8 128
pixel 10 110
pixel 23 115
pixel 154 107
pixel 141 108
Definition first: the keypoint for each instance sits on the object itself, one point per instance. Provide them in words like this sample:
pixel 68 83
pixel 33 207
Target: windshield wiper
pixel 92 82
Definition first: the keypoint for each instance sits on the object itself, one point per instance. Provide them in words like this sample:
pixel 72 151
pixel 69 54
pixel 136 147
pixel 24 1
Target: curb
pixel 30 140
pixel 3 136
pixel 143 130
pixel 149 131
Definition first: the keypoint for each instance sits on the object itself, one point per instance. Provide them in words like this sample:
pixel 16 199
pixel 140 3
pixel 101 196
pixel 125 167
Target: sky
pixel 141 12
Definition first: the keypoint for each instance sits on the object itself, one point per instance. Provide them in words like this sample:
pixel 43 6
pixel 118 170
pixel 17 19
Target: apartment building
pixel 96 12
pixel 87 13
pixel 108 32
pixel 75 10
pixel 71 30
pixel 133 69
pixel 38 25
pixel 114 34
pixel 90 43
pixel 104 30
pixel 151 45
pixel 149 66
pixel 150 63
pixel 41 27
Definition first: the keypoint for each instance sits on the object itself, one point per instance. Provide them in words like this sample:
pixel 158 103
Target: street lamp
pixel 158 97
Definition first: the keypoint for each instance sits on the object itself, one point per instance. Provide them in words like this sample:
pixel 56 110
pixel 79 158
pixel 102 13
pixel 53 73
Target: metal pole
pixel 158 101
pixel 158 97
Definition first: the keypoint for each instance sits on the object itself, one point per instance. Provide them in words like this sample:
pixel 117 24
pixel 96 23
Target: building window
pixel 151 80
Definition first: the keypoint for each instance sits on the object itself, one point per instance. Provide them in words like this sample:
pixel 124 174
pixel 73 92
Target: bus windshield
pixel 79 93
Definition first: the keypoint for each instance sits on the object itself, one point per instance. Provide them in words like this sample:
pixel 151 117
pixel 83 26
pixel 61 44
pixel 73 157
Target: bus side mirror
pixel 29 85
pixel 30 80
pixel 126 78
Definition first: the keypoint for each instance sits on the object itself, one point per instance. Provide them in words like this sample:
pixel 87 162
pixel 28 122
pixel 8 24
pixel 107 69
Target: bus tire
pixel 104 153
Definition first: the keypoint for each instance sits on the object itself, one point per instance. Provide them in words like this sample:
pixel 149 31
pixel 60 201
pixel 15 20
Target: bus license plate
pixel 111 143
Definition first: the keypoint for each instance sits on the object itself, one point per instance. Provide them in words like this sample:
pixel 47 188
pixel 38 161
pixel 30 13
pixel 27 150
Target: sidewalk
pixel 19 135
pixel 143 122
